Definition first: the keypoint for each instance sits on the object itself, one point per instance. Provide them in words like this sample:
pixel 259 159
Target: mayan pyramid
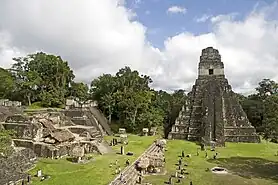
pixel 212 112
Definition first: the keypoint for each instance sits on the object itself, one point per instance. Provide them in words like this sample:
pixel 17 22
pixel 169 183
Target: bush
pixel 35 105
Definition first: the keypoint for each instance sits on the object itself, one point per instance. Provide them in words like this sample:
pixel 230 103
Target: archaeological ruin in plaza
pixel 212 112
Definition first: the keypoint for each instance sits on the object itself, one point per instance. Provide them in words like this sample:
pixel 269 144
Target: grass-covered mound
pixel 96 172
pixel 248 164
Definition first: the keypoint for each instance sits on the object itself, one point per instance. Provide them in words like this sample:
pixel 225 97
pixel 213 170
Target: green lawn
pixel 96 172
pixel 249 164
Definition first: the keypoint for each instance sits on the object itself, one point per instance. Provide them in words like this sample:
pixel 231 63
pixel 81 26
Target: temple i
pixel 212 112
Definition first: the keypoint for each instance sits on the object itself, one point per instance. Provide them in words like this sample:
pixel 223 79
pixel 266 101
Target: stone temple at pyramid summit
pixel 212 113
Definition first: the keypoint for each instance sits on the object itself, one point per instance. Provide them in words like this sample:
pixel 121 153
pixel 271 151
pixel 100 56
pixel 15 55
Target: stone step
pixel 74 113
pixel 79 129
pixel 248 135
pixel 81 121
pixel 132 178
pixel 129 178
pixel 97 114
pixel 96 135
pixel 130 174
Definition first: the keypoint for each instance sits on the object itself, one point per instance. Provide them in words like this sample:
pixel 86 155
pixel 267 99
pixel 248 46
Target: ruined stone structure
pixel 87 114
pixel 8 103
pixel 52 133
pixel 8 108
pixel 48 135
pixel 152 161
pixel 212 112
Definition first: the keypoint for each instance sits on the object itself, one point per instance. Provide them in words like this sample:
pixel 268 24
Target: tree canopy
pixel 126 97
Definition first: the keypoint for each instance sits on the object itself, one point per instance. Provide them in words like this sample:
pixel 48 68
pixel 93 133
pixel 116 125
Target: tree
pixel 109 104
pixel 26 80
pixel 131 79
pixel 131 104
pixel 152 117
pixel 267 87
pixel 42 77
pixel 241 98
pixel 254 108
pixel 7 84
pixel 80 91
pixel 170 105
pixel 270 121
pixel 126 97
pixel 103 85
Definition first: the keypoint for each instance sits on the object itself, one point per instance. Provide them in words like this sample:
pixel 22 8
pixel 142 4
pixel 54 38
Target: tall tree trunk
pixel 110 114
pixel 29 99
pixel 134 117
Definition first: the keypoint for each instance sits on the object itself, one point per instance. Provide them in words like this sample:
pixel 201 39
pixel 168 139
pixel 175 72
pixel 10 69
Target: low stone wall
pixel 74 113
pixel 8 111
pixel 81 121
pixel 80 130
pixel 23 130
pixel 47 150
pixel 243 138
pixel 40 149
pixel 239 131
pixel 8 103
pixel 18 118
pixel 71 103
pixel 177 135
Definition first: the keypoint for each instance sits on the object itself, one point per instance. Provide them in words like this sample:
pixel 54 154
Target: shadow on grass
pixel 249 167
pixel 72 159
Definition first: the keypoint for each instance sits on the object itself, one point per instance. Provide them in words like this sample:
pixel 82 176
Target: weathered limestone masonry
pixel 8 108
pixel 212 112
pixel 48 136
pixel 45 133
pixel 50 133
pixel 87 114
pixel 130 175
pixel 8 103
pixel 14 167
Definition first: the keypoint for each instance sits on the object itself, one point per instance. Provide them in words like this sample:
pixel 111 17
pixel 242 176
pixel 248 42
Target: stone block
pixel 122 131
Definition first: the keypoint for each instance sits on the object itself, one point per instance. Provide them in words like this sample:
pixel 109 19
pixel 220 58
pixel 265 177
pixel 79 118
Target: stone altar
pixel 212 111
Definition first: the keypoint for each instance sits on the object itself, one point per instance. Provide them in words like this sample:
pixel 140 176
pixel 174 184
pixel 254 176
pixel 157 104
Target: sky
pixel 160 38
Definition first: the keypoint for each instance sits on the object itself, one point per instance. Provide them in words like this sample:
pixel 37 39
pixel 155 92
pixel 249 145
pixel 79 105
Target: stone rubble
pixel 153 156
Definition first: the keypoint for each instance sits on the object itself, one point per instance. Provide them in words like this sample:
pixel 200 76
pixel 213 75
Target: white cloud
pixel 203 18
pixel 223 17
pixel 95 42
pixel 248 48
pixel 176 9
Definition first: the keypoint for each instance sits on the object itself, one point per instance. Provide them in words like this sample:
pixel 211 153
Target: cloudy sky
pixel 161 38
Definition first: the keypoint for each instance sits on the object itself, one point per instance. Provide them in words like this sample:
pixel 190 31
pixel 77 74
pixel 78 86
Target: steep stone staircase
pixel 103 147
pixel 101 119
pixel 130 175
pixel 83 121
pixel 89 116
